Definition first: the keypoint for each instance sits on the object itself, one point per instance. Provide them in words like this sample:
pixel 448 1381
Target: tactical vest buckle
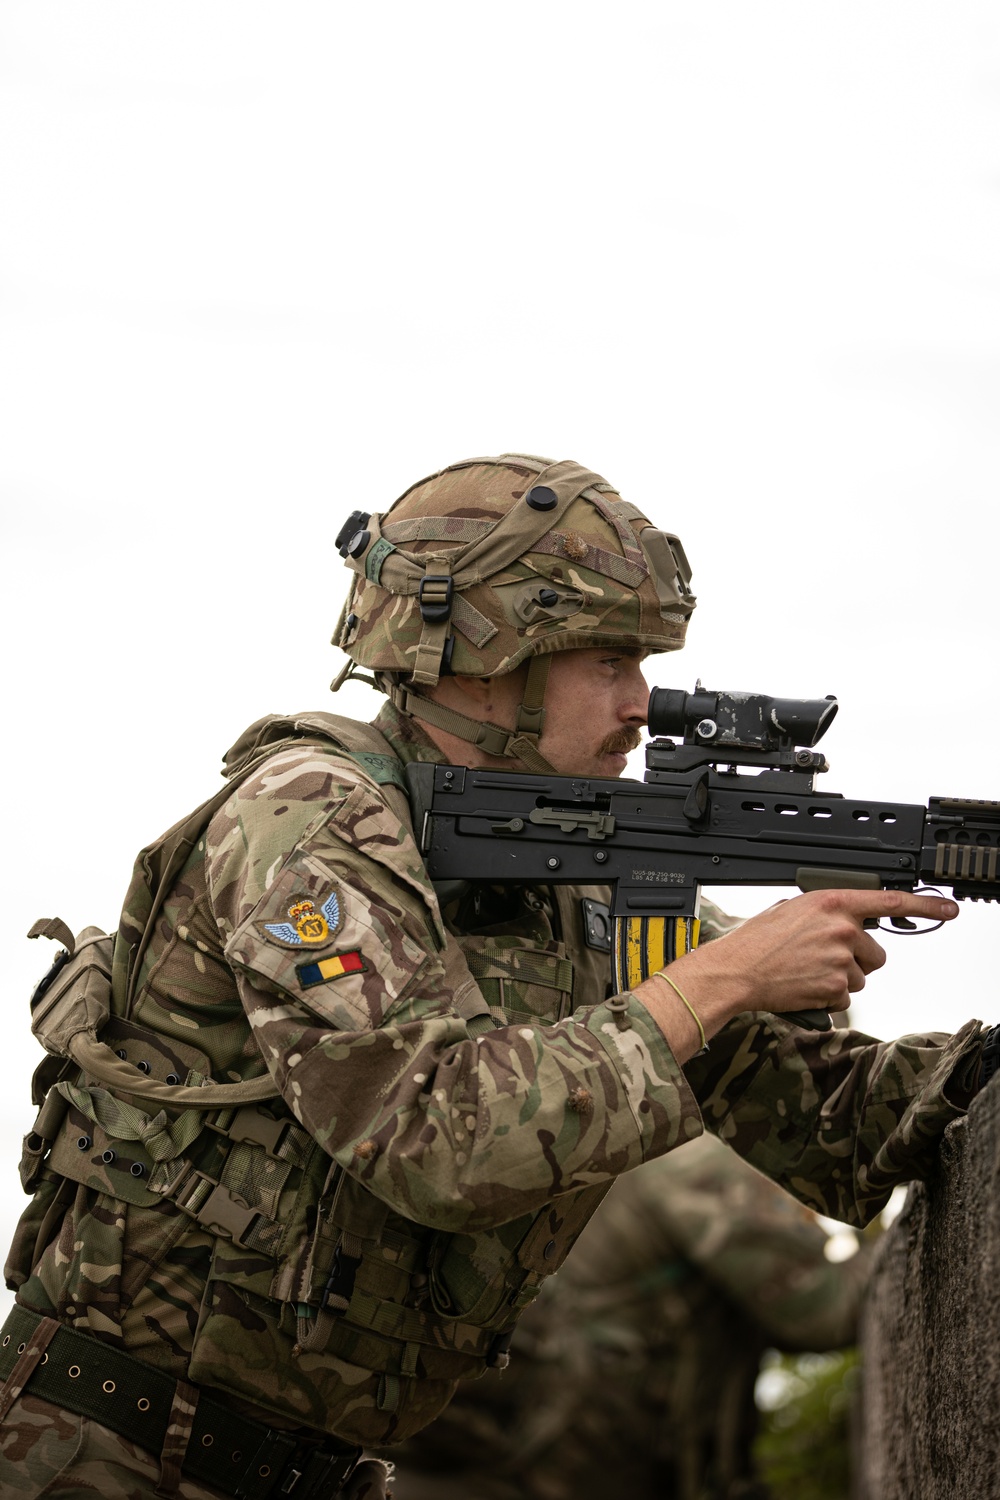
pixel 226 1215
pixel 213 1206
pixel 253 1127
pixel 339 1287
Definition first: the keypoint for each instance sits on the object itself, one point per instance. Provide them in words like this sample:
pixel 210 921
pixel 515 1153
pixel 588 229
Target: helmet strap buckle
pixel 435 593
pixel 434 597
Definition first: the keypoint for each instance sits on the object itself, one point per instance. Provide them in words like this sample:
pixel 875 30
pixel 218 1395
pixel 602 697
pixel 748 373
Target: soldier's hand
pixel 808 953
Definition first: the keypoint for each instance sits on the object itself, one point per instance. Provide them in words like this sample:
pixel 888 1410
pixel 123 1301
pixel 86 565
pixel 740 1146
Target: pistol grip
pixel 812 1020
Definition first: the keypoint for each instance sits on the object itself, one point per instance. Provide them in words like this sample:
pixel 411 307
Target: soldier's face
pixel 595 707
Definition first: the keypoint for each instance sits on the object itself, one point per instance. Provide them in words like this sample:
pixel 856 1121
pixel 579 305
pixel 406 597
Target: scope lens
pixel 668 711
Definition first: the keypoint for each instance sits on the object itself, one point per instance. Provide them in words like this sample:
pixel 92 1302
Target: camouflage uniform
pixel 634 1371
pixel 475 1154
pixel 332 1139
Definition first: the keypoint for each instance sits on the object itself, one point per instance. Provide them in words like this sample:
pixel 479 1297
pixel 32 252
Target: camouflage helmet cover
pixel 495 560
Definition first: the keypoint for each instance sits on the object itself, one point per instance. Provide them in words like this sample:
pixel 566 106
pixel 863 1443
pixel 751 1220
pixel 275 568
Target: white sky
pixel 261 265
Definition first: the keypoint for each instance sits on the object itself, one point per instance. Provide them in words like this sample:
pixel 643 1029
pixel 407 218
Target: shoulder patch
pixel 386 770
pixel 307 927
pixel 324 970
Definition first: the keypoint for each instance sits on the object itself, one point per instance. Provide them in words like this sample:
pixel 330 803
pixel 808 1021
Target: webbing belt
pixel 238 1456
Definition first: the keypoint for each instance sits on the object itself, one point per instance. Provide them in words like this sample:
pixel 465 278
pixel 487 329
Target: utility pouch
pixel 490 1277
pixel 72 1004
pixel 36 1227
pixel 75 995
pixel 37 1144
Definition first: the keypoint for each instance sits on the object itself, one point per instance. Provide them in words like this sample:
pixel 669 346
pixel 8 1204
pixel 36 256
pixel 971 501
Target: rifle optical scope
pixel 750 721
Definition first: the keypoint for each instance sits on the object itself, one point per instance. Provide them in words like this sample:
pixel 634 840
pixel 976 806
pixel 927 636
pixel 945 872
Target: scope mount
pixel 666 755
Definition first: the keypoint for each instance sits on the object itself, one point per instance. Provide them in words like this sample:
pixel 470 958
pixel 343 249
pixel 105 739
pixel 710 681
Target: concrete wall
pixel 930 1417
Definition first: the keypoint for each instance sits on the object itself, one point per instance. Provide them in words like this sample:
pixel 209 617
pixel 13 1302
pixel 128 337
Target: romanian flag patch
pixel 327 969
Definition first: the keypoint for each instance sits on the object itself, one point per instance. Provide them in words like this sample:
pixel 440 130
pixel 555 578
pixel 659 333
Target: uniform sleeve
pixel 357 999
pixel 715 922
pixel 836 1117
pixel 758 1245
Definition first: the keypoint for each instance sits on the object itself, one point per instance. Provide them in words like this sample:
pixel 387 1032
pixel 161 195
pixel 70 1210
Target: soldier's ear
pixel 491 698
pixel 476 689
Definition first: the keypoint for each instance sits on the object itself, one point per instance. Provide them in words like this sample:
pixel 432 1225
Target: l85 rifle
pixel 728 798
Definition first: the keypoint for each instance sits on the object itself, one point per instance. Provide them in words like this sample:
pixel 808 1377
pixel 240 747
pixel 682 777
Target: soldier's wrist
pixel 690 1010
pixel 716 990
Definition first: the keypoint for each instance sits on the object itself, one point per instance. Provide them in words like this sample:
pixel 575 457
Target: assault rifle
pixel 728 799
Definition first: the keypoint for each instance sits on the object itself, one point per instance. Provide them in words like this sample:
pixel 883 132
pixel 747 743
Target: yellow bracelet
pixel 694 1014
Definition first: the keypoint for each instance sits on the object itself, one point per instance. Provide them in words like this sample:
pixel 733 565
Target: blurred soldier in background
pixel 634 1372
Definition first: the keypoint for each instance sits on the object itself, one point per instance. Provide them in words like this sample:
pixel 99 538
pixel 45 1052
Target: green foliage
pixel 803 1447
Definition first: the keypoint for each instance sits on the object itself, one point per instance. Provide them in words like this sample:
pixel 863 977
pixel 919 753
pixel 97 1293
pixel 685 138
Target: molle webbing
pixel 239 1203
pixel 523 965
pixel 361 1304
pixel 619 518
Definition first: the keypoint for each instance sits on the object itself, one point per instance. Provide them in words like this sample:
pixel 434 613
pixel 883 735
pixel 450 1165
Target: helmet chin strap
pixel 519 743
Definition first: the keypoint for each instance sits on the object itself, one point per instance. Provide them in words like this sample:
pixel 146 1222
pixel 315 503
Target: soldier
pixel 634 1371
pixel 308 1145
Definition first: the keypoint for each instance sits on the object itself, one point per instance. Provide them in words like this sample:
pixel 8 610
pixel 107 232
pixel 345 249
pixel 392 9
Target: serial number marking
pixel 659 877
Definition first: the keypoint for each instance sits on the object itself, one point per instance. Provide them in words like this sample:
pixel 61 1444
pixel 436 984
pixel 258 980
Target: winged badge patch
pixel 307 927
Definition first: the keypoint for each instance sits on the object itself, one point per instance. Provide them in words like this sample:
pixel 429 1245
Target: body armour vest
pixel 179 1208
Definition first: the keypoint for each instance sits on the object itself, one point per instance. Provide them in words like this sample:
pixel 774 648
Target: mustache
pixel 622 742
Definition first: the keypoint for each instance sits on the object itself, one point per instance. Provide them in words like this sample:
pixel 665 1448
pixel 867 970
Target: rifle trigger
pixel 696 801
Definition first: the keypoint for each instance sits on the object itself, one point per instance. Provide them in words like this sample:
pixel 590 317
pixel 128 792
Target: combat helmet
pixel 495 561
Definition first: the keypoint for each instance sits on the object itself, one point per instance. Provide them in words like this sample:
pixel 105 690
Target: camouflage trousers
pixel 51 1453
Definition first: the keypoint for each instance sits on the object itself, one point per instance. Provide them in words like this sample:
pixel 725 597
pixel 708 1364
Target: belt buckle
pixel 316 1476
